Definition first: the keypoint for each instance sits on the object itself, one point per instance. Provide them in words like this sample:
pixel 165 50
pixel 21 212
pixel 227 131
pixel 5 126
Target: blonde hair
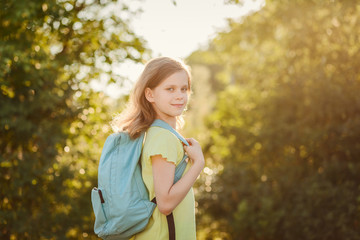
pixel 139 113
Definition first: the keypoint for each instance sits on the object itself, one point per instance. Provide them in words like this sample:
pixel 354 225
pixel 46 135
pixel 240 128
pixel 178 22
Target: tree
pixel 50 51
pixel 284 133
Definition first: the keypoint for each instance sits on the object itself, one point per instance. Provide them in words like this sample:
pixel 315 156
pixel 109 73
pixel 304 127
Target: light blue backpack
pixel 121 202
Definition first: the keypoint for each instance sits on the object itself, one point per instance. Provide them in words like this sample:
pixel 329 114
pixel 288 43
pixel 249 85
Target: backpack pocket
pixel 129 214
pixel 97 201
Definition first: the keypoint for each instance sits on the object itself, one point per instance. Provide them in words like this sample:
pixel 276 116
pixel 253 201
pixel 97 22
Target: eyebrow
pixel 174 85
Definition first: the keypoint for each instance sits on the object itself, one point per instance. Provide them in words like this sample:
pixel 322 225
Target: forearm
pixel 168 194
pixel 179 190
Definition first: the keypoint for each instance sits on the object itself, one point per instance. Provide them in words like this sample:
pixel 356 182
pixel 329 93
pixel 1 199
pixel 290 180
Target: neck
pixel 169 120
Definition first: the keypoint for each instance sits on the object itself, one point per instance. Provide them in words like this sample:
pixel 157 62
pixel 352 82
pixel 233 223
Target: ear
pixel 149 95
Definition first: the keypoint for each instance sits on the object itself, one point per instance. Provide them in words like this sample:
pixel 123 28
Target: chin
pixel 179 114
pixel 175 115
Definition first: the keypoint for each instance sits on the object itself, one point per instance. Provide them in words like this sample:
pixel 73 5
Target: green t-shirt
pixel 164 142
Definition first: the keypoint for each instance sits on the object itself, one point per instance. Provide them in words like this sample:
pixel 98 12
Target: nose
pixel 180 95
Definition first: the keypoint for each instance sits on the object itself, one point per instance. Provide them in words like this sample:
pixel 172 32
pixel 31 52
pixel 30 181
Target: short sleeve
pixel 162 142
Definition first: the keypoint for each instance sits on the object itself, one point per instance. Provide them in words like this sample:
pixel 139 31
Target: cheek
pixel 186 97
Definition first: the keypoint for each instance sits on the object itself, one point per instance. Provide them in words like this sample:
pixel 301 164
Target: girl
pixel 162 92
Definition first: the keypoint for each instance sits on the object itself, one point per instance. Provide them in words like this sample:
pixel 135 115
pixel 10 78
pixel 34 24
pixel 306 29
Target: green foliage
pixel 52 125
pixel 283 150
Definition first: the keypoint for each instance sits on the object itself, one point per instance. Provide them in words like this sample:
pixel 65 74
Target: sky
pixel 176 30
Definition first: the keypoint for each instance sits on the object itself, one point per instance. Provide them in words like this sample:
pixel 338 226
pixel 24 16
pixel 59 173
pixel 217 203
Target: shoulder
pixel 160 134
pixel 161 141
pixel 160 131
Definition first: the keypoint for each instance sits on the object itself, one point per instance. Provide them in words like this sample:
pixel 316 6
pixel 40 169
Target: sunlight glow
pixel 176 30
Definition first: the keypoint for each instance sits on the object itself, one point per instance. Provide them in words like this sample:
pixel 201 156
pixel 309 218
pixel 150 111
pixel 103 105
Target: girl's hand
pixel 194 152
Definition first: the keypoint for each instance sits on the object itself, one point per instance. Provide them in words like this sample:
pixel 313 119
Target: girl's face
pixel 170 97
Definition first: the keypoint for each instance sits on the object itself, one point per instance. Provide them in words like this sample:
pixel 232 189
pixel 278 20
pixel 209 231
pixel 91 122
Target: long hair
pixel 139 113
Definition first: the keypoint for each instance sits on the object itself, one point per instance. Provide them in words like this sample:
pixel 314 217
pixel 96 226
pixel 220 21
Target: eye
pixel 170 89
pixel 184 89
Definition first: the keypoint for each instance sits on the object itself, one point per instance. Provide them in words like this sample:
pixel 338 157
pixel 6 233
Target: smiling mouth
pixel 177 105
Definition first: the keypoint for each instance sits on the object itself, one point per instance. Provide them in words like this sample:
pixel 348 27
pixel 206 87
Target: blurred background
pixel 275 105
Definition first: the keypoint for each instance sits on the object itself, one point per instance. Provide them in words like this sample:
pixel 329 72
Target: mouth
pixel 177 105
